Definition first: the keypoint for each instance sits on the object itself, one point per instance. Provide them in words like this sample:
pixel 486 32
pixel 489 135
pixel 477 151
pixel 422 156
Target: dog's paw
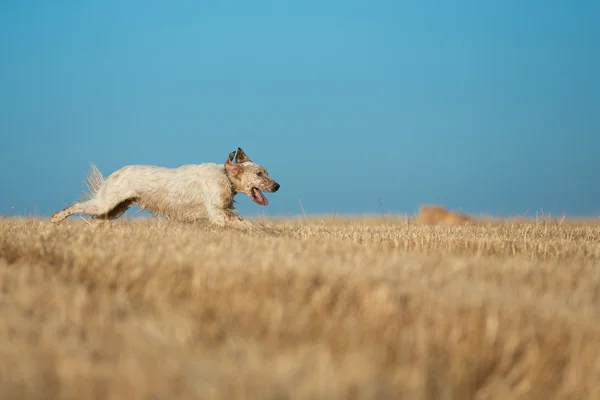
pixel 56 217
pixel 245 225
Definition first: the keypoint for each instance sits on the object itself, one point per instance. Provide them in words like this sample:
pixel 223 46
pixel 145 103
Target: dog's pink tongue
pixel 261 199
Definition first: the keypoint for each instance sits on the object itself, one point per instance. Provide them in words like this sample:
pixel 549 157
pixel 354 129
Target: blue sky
pixel 490 107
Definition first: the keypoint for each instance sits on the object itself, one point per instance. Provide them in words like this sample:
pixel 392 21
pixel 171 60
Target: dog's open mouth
pixel 259 197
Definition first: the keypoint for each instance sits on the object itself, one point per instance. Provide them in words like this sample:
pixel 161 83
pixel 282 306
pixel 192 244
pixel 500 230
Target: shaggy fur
pixel 187 193
pixel 433 215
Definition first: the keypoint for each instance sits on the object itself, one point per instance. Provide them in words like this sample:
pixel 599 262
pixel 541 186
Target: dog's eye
pixel 260 174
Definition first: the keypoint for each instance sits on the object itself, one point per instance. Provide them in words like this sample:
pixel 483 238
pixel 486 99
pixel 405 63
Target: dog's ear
pixel 231 155
pixel 241 156
pixel 233 169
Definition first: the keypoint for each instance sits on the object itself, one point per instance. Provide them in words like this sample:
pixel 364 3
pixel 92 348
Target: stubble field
pixel 303 309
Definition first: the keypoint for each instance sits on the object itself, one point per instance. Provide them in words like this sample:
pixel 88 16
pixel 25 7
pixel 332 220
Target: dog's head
pixel 249 178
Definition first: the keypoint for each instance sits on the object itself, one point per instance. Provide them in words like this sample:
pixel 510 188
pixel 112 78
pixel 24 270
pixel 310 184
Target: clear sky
pixel 490 107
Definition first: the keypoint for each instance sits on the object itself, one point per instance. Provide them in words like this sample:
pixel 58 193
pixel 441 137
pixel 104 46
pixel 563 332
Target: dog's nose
pixel 276 187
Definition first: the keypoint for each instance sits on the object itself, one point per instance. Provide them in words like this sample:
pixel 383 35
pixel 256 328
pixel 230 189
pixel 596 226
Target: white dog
pixel 187 193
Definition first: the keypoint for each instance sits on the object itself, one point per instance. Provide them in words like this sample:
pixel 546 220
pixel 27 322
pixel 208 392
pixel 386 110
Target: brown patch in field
pixel 434 215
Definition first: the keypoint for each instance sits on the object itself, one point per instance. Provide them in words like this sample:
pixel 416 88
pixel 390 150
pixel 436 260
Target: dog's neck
pixel 231 183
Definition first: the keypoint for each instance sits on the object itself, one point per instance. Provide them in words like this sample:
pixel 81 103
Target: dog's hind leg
pixel 95 207
pixel 115 213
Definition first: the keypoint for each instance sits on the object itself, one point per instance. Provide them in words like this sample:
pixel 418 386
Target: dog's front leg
pixel 225 218
pixel 239 222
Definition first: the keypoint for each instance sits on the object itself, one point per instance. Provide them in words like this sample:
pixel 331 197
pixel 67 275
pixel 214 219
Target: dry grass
pixel 316 309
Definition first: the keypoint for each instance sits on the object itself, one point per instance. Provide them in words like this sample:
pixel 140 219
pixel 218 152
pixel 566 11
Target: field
pixel 309 308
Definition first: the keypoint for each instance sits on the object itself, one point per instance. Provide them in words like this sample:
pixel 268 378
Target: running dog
pixel 188 193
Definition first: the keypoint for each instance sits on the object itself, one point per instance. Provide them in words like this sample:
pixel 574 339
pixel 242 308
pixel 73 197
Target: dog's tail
pixel 93 181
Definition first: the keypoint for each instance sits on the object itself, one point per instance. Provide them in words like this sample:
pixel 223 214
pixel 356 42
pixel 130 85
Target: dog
pixel 188 193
